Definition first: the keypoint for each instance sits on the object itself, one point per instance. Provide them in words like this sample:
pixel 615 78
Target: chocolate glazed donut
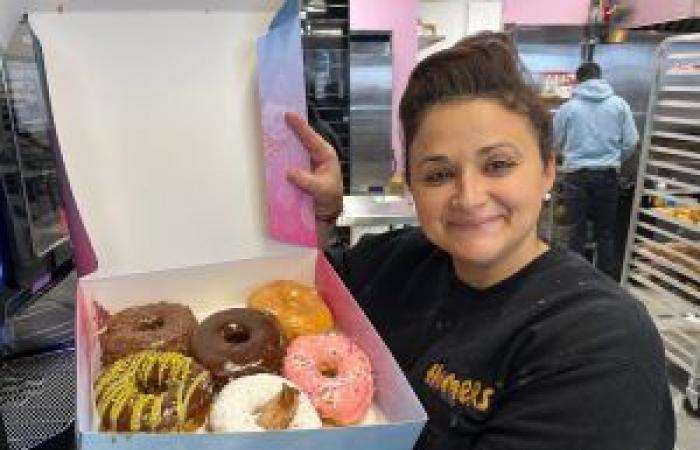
pixel 238 342
pixel 155 326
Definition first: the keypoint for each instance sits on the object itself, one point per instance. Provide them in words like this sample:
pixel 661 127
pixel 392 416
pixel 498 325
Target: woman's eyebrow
pixel 497 145
pixel 433 158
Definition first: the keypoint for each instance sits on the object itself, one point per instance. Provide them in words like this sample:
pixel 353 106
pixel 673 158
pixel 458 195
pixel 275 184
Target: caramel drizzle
pixel 118 388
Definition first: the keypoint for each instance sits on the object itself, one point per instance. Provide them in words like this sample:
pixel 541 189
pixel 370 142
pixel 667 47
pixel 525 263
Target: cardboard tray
pixel 178 193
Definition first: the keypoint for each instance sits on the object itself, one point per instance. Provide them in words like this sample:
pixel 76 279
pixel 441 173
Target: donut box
pixel 173 145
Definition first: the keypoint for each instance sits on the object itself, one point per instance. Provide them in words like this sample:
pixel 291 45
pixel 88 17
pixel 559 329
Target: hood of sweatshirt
pixel 593 90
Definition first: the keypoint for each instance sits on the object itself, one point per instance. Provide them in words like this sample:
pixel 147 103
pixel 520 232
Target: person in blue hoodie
pixel 595 133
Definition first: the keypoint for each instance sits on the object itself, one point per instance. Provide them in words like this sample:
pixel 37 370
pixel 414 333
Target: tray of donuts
pixel 277 363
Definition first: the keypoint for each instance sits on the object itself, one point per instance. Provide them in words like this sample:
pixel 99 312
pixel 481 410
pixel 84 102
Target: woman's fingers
pixel 324 181
pixel 319 150
pixel 304 180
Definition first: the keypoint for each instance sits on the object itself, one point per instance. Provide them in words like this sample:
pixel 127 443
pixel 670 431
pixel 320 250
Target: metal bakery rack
pixel 662 255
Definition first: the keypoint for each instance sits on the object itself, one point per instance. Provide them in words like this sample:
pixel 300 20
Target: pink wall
pixel 645 12
pixel 399 16
pixel 546 12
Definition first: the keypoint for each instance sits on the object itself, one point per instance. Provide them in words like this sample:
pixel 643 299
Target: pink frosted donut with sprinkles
pixel 335 373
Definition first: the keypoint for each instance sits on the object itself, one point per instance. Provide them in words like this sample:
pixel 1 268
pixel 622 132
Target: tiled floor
pixel 688 427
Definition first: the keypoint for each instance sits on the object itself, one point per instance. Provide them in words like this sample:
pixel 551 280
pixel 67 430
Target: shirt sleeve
pixel 358 264
pixel 630 135
pixel 589 405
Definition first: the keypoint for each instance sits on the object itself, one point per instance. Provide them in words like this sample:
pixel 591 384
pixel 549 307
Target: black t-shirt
pixel 556 357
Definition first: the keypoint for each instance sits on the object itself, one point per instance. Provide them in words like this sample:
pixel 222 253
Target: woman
pixel 508 343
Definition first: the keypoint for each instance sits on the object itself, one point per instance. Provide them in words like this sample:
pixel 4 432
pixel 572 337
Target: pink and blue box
pixel 173 141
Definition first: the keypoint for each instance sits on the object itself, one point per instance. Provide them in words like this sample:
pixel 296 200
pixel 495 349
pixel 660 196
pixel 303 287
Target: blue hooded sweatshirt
pixel 595 129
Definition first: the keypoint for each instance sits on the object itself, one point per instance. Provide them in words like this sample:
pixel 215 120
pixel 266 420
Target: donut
pixel 238 342
pixel 153 391
pixel 298 308
pixel 335 373
pixel 156 326
pixel 262 402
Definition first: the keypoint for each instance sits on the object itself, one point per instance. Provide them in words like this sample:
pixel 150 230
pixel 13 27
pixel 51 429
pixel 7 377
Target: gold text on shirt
pixel 467 392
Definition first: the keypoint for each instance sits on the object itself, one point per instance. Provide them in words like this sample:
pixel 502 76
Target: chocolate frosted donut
pixel 156 326
pixel 238 342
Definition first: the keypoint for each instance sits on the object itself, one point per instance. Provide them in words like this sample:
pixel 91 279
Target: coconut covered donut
pixel 153 391
pixel 335 373
pixel 298 308
pixel 262 402
pixel 157 326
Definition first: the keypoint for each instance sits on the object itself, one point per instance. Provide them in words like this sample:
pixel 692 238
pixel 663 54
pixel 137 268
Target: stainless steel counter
pixel 377 210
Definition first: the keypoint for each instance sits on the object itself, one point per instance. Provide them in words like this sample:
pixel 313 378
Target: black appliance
pixel 35 250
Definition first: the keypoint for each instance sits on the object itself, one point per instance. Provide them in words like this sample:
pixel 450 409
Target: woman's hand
pixel 324 181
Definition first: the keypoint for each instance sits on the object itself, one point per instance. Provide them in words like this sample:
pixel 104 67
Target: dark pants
pixel 593 194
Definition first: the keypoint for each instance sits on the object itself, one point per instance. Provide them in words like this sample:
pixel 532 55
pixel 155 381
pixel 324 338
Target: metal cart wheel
pixel 695 412
pixel 691 403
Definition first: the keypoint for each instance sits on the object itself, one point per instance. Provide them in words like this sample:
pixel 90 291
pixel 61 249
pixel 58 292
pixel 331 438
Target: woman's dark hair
pixel 483 66
pixel 588 71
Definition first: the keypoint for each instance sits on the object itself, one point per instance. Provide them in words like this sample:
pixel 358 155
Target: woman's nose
pixel 470 191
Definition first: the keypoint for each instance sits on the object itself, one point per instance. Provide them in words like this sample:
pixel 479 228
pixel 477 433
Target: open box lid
pixel 158 118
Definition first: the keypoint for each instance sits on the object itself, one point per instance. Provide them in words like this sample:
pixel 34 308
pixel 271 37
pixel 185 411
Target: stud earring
pixel 547 196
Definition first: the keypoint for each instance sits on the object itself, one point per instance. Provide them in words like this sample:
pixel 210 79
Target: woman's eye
pixel 438 176
pixel 499 166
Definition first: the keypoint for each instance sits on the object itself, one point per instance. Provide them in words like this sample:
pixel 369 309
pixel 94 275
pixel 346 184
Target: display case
pixel 662 256
pixel 35 249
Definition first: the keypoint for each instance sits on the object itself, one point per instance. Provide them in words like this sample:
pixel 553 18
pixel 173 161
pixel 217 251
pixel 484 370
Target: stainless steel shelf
pixel 683 187
pixel 677 120
pixel 675 152
pixel 682 270
pixel 668 234
pixel 672 281
pixel 673 166
pixel 677 72
pixel 680 89
pixel 674 306
pixel 682 224
pixel 681 104
pixel 677 56
pixel 670 197
pixel 676 136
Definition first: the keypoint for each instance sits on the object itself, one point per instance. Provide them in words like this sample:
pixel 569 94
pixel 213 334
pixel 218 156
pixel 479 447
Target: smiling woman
pixel 479 190
pixel 507 342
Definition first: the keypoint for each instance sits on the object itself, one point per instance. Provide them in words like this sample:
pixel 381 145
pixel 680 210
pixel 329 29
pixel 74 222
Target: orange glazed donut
pixel 298 308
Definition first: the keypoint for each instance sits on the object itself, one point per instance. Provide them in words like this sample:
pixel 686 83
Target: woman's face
pixel 478 182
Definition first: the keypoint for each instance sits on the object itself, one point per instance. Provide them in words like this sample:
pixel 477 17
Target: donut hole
pixel 328 371
pixel 150 323
pixel 151 387
pixel 235 333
